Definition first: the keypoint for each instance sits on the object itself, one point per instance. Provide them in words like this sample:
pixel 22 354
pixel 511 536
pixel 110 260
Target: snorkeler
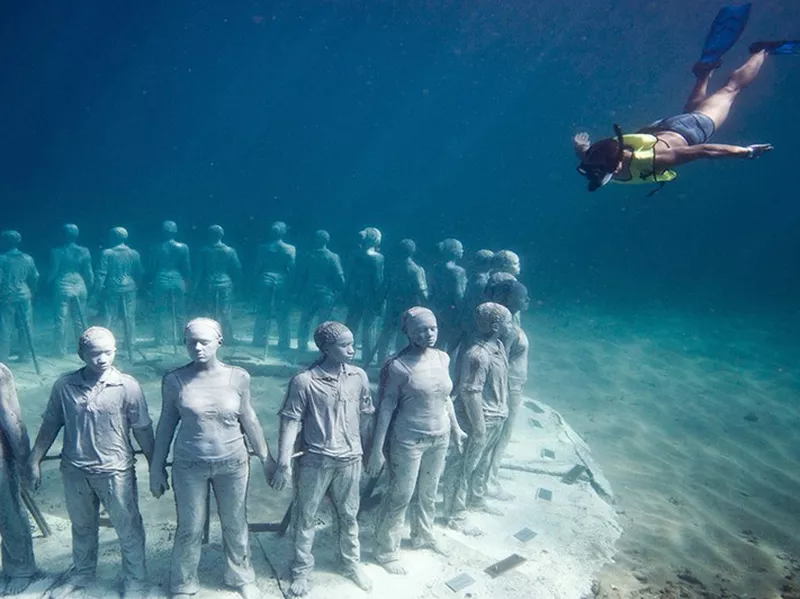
pixel 650 154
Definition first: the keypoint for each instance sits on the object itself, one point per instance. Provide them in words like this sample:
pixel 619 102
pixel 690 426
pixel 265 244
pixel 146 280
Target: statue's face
pixel 202 343
pixel 99 356
pixel 519 301
pixel 514 266
pixel 342 350
pixel 423 331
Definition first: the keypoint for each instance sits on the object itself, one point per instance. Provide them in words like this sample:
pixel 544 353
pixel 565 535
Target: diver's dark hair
pixel 603 153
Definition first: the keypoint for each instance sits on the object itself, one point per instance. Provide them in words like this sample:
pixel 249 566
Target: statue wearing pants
pixel 328 406
pixel 98 407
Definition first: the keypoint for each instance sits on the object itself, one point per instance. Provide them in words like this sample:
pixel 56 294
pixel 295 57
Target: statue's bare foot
pixel 250 591
pixel 17 584
pixel 360 578
pixel 394 567
pixel 299 587
pixel 430 544
pixel 500 494
pixel 482 506
pixel 465 528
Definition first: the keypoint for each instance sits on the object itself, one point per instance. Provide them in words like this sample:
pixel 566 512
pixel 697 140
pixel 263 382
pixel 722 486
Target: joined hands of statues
pixel 281 478
pixel 32 478
pixel 159 482
pixel 270 468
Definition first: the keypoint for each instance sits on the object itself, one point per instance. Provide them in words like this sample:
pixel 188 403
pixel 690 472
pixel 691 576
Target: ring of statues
pixel 448 393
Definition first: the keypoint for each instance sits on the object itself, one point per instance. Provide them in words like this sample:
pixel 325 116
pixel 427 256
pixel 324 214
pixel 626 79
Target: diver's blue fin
pixel 784 47
pixel 725 31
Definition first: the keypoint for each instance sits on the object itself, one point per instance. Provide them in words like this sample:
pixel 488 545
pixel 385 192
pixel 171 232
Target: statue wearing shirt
pixel 18 280
pixel 71 276
pixel 208 403
pixel 98 407
pixel 416 414
pixel 482 408
pixel 327 407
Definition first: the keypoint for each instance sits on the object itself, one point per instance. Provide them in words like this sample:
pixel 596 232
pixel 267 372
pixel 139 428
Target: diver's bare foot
pixel 299 587
pixel 703 70
pixel 250 591
pixel 394 567
pixel 360 578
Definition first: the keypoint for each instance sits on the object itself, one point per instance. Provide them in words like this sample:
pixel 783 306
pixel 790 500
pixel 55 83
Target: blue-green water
pixel 440 119
pixel 430 119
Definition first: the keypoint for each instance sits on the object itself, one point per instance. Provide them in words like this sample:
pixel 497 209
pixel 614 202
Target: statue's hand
pixel 270 467
pixel 460 437
pixel 282 478
pixel 375 464
pixel 32 476
pixel 159 482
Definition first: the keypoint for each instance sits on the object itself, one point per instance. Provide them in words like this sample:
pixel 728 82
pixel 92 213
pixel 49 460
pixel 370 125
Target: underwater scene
pixel 339 299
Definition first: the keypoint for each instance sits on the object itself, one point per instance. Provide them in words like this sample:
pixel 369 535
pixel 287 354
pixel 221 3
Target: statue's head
pixel 407 248
pixel 509 293
pixel 492 319
pixel 118 235
pixel 215 233
pixel 370 237
pixel 482 260
pixel 321 239
pixel 278 229
pixel 169 229
pixel 11 239
pixel 71 232
pixel 451 249
pixel 506 261
pixel 97 348
pixel 335 341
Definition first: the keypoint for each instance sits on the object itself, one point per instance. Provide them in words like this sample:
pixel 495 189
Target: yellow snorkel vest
pixel 642 165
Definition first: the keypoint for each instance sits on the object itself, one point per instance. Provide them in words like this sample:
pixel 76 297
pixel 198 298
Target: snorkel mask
pixel 599 173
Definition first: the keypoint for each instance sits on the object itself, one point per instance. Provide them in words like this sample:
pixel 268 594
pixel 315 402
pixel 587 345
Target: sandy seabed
pixel 693 420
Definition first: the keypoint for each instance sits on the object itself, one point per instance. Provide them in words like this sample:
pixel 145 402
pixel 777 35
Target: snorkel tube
pixel 599 175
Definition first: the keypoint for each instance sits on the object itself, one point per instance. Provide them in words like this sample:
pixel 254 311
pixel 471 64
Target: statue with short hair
pixel 275 266
pixel 320 281
pixel 118 277
pixel 206 407
pixel 327 408
pixel 98 407
pixel 405 287
pixel 16 546
pixel 71 277
pixel 505 265
pixel 481 407
pixel 514 296
pixel 18 281
pixel 478 277
pixel 416 416
pixel 171 270
pixel 448 285
pixel 363 294
pixel 219 271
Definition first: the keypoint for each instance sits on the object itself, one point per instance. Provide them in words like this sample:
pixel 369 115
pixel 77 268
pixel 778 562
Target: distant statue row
pixel 318 279
pixel 426 426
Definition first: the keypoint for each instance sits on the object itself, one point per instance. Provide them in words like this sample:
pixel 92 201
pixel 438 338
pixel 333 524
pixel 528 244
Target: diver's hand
pixel 757 150
pixel 581 143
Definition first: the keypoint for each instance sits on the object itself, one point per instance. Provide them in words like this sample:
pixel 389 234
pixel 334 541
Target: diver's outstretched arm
pixel 677 156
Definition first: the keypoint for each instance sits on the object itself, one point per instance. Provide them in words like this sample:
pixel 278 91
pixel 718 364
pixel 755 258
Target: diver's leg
pixel 718 105
pixel 702 73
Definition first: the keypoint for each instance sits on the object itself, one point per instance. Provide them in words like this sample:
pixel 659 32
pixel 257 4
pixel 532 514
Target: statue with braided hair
pixel 327 409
